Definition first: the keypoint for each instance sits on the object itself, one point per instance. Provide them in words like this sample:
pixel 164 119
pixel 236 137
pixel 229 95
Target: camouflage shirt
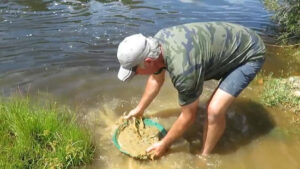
pixel 197 52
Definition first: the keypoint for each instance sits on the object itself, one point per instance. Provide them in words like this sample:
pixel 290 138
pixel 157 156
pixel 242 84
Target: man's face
pixel 148 67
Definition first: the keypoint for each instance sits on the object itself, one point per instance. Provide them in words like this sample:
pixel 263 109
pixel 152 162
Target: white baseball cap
pixel 132 51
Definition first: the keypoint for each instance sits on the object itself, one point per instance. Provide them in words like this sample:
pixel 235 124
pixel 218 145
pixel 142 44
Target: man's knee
pixel 215 114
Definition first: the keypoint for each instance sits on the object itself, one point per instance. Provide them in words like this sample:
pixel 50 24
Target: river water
pixel 66 49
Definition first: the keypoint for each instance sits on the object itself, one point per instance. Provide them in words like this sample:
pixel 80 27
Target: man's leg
pixel 215 122
pixel 229 88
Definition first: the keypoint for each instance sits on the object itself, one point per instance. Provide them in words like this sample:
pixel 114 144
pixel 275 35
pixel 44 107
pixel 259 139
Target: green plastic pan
pixel 147 122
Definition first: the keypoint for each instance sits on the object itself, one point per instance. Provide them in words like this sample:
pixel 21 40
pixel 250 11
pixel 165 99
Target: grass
pixel 286 14
pixel 278 92
pixel 41 136
pixel 272 4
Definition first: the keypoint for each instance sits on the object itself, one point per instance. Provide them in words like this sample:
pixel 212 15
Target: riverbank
pixel 286 14
pixel 283 92
pixel 281 86
pixel 41 136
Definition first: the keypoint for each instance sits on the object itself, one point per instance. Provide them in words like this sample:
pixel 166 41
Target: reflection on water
pixel 246 121
pixel 282 61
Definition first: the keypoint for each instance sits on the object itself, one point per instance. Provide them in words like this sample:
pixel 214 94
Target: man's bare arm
pixel 186 118
pixel 152 88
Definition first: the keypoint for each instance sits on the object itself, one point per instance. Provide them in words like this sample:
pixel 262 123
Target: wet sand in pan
pixel 135 137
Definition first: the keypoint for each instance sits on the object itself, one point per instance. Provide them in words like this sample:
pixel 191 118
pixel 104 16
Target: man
pixel 193 53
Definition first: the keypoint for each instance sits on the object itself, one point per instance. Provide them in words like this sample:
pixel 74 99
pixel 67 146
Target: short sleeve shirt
pixel 197 52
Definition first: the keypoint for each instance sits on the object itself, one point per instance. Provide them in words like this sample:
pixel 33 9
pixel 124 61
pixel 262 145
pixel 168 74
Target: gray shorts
pixel 234 82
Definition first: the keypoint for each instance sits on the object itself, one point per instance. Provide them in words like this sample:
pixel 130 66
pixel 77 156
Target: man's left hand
pixel 157 149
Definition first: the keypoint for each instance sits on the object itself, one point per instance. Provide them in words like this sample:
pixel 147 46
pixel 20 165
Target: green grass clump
pixel 35 136
pixel 286 14
pixel 278 91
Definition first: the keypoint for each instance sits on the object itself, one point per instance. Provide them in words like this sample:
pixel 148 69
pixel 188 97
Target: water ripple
pixel 75 33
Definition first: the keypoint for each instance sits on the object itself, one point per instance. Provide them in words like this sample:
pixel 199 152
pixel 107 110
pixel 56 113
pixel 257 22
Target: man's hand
pixel 134 113
pixel 185 119
pixel 153 86
pixel 157 149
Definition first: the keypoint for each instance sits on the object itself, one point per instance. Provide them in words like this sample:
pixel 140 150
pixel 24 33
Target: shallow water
pixel 66 50
pixel 255 136
pixel 58 46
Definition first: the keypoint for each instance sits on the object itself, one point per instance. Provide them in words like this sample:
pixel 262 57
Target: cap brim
pixel 125 74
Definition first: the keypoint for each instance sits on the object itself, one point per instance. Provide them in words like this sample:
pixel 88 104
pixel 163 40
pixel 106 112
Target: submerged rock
pixel 295 82
pixel 297 93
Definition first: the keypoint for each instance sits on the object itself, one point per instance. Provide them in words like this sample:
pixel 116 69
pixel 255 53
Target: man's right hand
pixel 134 113
pixel 153 85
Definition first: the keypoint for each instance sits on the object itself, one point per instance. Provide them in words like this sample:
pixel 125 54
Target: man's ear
pixel 149 60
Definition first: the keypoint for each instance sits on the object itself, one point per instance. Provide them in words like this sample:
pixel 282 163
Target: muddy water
pixel 255 137
pixel 66 50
